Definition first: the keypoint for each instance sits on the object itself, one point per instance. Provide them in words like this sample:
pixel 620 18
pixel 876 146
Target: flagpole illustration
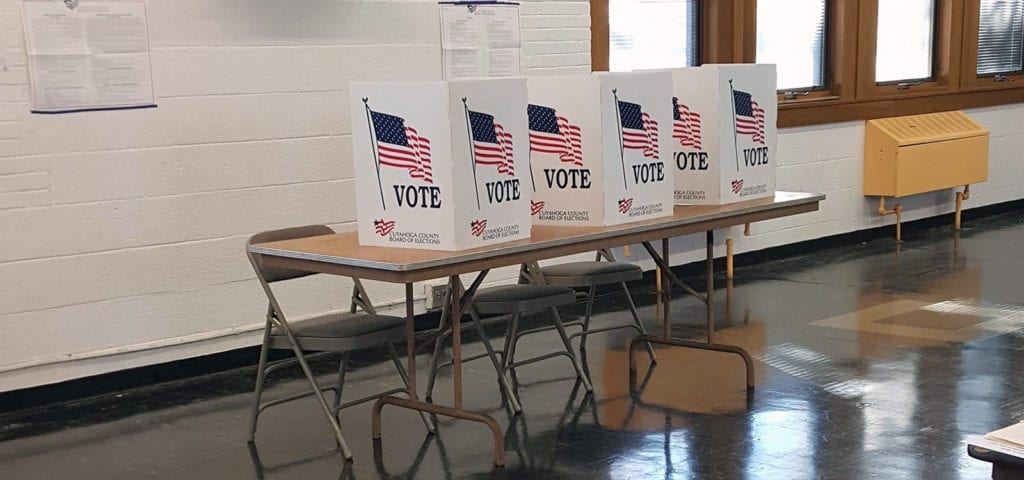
pixel 472 150
pixel 376 153
pixel 618 122
pixel 529 165
pixel 529 158
pixel 735 142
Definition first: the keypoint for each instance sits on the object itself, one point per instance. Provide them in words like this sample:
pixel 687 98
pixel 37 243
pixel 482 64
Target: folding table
pixel 341 254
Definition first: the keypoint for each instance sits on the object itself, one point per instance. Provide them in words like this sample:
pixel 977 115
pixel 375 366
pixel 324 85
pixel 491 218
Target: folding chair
pixel 591 275
pixel 513 301
pixel 338 332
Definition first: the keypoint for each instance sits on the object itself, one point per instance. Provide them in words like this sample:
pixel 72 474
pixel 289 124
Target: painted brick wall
pixel 121 233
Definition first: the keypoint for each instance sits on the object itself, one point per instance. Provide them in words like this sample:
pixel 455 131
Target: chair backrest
pixel 276 274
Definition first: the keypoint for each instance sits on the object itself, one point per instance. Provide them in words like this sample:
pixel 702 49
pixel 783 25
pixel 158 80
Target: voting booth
pixel 723 133
pixel 599 148
pixel 441 165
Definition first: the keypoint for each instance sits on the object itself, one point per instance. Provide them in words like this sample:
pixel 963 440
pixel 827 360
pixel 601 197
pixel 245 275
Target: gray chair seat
pixel 508 299
pixel 586 274
pixel 343 331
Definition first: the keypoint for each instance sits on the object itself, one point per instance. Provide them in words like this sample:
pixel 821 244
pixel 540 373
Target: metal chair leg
pixel 342 368
pixel 308 372
pixel 591 293
pixel 636 320
pixel 435 359
pixel 405 381
pixel 261 378
pixel 510 337
pixel 569 350
pixel 508 364
pixel 498 366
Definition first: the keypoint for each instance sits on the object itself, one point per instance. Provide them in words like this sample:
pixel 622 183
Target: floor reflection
pixel 872 361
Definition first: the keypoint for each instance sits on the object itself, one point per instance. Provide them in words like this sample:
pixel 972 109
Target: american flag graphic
pixel 536 207
pixel 398 145
pixel 639 131
pixel 685 125
pixel 491 144
pixel 383 227
pixel 478 227
pixel 737 185
pixel 749 116
pixel 552 133
pixel 624 205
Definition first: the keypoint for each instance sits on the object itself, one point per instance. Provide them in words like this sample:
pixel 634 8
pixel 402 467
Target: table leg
pixel 410 342
pixel 458 300
pixel 456 288
pixel 666 289
pixel 708 299
pixel 496 431
pixel 709 278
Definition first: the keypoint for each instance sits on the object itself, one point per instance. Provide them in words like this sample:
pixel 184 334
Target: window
pixel 792 35
pixel 644 34
pixel 905 40
pixel 1000 37
pixel 908 48
pixel 837 60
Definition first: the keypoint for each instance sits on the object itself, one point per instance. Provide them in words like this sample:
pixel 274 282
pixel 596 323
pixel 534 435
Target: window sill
pixel 814 112
pixel 810 100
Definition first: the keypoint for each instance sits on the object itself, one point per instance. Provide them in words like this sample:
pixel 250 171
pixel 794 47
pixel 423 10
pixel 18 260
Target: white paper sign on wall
pixel 480 39
pixel 88 55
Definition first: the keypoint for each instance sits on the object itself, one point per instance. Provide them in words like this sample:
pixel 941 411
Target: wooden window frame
pixel 600 36
pixel 840 55
pixel 728 35
pixel 947 41
pixel 969 66
pixel 600 32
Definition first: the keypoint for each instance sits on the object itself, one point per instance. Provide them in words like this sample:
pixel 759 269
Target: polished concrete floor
pixel 871 361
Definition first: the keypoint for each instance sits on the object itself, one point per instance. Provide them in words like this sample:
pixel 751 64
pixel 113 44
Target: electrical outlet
pixel 436 294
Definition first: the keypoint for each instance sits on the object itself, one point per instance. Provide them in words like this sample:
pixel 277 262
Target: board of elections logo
pixel 383 227
pixel 625 204
pixel 536 207
pixel 737 185
pixel 478 227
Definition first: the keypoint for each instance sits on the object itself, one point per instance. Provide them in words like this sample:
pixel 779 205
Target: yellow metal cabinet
pixel 923 153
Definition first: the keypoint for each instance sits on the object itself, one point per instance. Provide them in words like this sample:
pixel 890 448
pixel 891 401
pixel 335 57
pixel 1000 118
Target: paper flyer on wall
pixel 480 39
pixel 87 55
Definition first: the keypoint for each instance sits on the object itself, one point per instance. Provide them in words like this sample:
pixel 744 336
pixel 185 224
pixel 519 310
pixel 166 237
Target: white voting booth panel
pixel 441 165
pixel 723 133
pixel 599 148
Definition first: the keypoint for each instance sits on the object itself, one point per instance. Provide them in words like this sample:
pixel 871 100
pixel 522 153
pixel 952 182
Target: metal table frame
pixel 341 254
pixel 667 280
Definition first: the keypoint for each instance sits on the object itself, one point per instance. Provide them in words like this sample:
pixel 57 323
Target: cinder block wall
pixel 121 232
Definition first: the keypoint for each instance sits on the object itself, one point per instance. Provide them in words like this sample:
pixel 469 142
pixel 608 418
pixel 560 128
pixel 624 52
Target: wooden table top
pixel 342 254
